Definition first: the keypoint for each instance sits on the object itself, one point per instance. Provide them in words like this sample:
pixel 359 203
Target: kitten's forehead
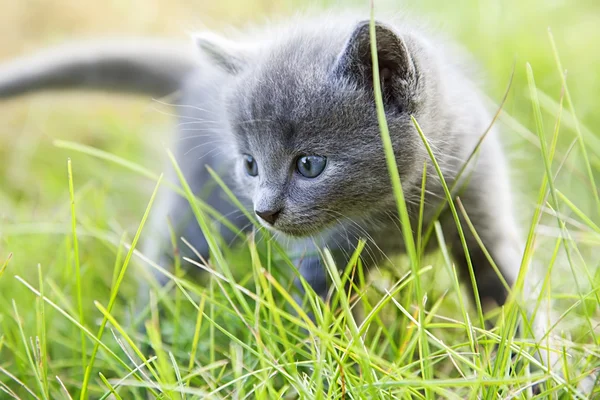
pixel 291 96
pixel 288 73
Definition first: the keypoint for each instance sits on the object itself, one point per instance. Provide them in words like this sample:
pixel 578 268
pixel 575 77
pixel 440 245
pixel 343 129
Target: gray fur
pixel 305 88
pixel 302 94
pixel 139 65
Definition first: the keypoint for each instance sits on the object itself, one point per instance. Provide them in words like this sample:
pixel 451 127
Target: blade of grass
pixel 125 378
pixel 5 264
pixel 43 343
pixel 582 144
pixel 488 256
pixel 115 289
pixel 398 193
pixel 421 211
pixel 162 364
pixel 4 388
pixel 20 383
pixel 454 213
pixel 110 387
pixel 552 107
pixel 503 357
pixel 202 220
pixel 196 339
pixel 178 273
pixel 455 281
pixel 75 322
pixel 103 155
pixel 268 293
pixel 586 220
pixel 34 369
pixel 473 153
pixel 369 375
pixel 132 344
pixel 177 375
pixel 64 389
pixel 548 169
pixel 77 263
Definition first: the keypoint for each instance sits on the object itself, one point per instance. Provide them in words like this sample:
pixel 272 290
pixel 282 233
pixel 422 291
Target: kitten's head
pixel 302 112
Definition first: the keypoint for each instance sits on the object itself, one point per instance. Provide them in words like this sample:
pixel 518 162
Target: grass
pixel 76 184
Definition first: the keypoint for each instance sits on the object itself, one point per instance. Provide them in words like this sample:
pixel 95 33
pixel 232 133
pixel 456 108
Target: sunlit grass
pixel 68 274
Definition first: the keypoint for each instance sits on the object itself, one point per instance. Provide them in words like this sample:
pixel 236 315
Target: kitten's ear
pixel 228 55
pixel 397 72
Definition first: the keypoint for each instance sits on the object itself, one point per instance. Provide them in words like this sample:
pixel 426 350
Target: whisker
pixel 199 121
pixel 161 102
pixel 218 153
pixel 176 115
pixel 202 144
pixel 361 232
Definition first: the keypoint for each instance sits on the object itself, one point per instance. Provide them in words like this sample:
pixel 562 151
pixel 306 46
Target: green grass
pixel 76 185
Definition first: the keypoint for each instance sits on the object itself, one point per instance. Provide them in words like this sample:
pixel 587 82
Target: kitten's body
pixel 305 88
pixel 285 89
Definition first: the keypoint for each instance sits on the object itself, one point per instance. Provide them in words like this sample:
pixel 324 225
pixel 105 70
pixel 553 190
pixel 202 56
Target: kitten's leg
pixel 314 272
pixel 306 257
pixel 173 212
pixel 499 236
pixel 312 269
pixel 487 201
pixel 488 205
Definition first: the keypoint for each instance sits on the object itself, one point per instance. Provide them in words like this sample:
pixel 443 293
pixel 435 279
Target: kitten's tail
pixel 142 65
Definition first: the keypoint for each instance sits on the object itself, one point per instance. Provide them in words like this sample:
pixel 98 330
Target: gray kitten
pixel 295 114
pixel 287 117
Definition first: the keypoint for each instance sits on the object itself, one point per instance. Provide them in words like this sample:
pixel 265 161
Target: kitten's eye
pixel 311 166
pixel 250 165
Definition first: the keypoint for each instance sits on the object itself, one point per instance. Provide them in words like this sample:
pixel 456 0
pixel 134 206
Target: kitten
pixel 287 117
pixel 295 115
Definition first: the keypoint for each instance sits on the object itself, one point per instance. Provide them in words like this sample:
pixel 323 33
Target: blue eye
pixel 311 166
pixel 250 165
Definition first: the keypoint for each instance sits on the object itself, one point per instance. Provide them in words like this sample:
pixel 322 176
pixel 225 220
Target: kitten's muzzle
pixel 269 216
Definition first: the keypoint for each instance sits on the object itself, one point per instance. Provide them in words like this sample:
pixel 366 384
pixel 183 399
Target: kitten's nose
pixel 269 216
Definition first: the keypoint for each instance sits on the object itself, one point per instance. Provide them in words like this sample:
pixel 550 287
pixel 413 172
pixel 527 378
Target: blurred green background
pixel 34 197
